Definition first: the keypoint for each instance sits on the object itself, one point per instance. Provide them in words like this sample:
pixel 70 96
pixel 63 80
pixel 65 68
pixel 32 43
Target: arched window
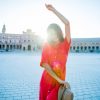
pixel 85 48
pixel 20 46
pixel 89 47
pixel 17 46
pixel 97 47
pixel 0 46
pixel 93 47
pixel 14 46
pixel 73 47
pixel 3 46
pixel 24 48
pixel 24 40
pixel 29 47
pixel 10 41
pixel 81 47
pixel 77 47
pixel 10 46
pixel 6 42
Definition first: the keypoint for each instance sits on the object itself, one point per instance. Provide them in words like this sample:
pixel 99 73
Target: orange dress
pixel 56 57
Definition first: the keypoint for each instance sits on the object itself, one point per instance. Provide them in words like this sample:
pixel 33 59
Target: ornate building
pixel 27 41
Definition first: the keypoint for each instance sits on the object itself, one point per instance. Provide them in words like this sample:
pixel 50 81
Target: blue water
pixel 16 69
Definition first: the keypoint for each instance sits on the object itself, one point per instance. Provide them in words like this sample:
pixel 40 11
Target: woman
pixel 54 57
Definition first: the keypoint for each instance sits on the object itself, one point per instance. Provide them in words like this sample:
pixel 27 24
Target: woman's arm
pixel 63 19
pixel 52 73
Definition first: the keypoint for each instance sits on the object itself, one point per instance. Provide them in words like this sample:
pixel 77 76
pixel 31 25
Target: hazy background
pixel 19 15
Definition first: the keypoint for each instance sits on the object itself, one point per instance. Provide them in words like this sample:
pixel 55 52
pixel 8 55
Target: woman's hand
pixel 50 7
pixel 66 84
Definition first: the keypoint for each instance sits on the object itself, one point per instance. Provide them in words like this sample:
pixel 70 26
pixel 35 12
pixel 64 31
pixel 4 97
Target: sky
pixel 20 15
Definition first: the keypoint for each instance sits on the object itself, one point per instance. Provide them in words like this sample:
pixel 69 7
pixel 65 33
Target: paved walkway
pixel 22 83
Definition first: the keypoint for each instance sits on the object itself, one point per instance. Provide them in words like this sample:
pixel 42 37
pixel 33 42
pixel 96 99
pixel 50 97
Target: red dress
pixel 56 57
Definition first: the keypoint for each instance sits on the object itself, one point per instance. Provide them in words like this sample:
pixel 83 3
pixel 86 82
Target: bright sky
pixel 19 15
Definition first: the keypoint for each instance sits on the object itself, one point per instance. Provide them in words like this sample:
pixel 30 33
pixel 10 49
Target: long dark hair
pixel 58 30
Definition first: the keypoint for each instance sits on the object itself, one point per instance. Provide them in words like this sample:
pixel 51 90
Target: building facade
pixel 28 41
pixel 85 45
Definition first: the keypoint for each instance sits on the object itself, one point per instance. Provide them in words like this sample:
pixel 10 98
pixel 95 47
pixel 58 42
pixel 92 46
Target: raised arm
pixel 63 19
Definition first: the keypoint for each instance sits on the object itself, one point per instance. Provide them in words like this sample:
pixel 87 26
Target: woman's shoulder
pixel 65 44
pixel 66 41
